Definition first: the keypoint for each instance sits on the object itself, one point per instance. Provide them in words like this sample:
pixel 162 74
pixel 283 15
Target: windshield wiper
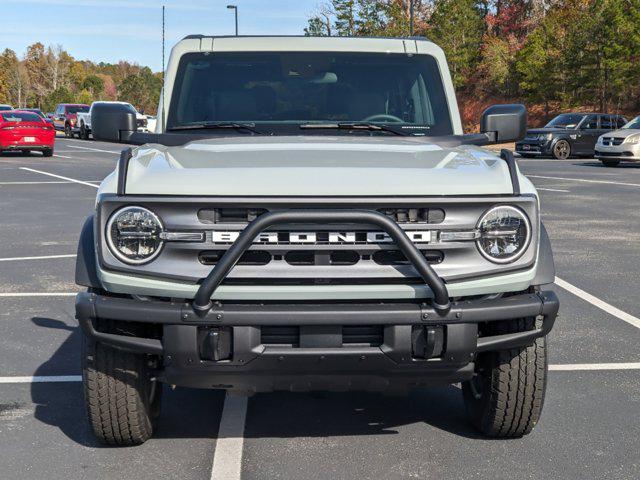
pixel 217 125
pixel 352 126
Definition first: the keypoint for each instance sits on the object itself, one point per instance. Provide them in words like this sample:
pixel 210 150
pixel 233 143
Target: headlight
pixel 632 139
pixel 133 235
pixel 505 233
pixel 544 136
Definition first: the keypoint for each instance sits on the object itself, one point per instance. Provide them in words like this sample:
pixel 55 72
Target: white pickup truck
pixel 83 124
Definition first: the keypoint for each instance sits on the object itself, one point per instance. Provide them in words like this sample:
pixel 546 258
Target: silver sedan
pixel 620 145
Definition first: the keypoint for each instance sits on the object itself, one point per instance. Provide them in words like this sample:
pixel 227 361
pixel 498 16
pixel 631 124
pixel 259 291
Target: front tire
pixel 121 398
pixel 47 152
pixel 83 132
pixel 561 150
pixel 67 131
pixel 505 397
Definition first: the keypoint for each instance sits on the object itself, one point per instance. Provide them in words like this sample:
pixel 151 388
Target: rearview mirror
pixel 504 123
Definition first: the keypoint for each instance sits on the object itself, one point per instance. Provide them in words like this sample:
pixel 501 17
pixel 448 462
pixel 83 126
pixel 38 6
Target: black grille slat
pixel 281 336
pixel 368 335
pixel 352 335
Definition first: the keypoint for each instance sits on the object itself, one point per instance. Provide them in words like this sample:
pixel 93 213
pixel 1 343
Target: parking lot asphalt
pixel 590 426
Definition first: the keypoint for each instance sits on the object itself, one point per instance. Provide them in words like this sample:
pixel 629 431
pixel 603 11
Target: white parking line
pixel 37 294
pixel 602 305
pixel 40 183
pixel 42 379
pixel 235 409
pixel 552 189
pixel 227 457
pixel 43 257
pixel 60 176
pixel 93 149
pixel 605 182
pixel 60 156
pixel 584 367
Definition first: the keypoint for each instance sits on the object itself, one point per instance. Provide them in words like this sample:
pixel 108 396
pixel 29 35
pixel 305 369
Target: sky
pixel 112 30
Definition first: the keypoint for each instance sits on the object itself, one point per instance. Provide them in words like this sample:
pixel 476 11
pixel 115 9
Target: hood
pixel 622 133
pixel 534 131
pixel 316 166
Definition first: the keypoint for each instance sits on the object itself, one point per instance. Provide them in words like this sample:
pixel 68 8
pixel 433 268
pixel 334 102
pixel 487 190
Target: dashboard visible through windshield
pixel 291 89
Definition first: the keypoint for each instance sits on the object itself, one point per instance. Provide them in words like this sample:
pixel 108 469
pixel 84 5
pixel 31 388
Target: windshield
pixel 291 89
pixel 36 111
pixel 21 117
pixel 76 109
pixel 633 124
pixel 565 120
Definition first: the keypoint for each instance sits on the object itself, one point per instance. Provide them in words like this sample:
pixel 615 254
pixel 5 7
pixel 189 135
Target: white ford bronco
pixel 309 215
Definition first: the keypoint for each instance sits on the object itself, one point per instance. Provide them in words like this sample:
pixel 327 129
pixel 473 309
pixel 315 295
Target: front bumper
pixel 533 147
pixel 321 360
pixel 624 151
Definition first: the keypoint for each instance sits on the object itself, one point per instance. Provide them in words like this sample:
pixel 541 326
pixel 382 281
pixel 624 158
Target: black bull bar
pixel 202 302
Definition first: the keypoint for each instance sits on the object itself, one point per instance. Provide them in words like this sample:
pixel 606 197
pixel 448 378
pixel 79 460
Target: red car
pixel 26 131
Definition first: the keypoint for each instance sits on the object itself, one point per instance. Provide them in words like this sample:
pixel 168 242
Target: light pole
pixel 235 10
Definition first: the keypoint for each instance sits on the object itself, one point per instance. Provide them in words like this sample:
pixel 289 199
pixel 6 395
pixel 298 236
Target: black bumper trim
pixel 90 306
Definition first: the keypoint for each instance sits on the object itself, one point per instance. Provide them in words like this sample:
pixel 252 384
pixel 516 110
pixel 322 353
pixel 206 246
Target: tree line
pixel 553 54
pixel 46 76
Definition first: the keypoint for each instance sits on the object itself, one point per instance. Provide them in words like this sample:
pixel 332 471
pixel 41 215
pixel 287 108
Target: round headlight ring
pixel 117 252
pixel 514 212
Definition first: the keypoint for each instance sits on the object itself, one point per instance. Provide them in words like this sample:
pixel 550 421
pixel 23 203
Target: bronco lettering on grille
pixel 417 236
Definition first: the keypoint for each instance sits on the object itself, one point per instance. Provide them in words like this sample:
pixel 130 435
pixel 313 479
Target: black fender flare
pixel 546 267
pixel 86 268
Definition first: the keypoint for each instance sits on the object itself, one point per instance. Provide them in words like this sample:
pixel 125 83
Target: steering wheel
pixel 383 117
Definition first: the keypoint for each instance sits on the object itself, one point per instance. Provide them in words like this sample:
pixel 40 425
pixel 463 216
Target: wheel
pixel 504 399
pixel 561 150
pixel 83 132
pixel 610 163
pixel 67 131
pixel 47 152
pixel 121 397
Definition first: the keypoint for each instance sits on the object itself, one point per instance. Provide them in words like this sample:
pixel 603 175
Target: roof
pixel 199 36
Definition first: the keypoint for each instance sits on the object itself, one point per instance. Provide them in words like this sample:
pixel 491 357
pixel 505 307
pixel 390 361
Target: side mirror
pixel 112 122
pixel 504 123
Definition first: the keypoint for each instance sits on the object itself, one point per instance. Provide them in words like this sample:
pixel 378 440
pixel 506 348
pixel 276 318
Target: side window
pixel 58 110
pixel 607 122
pixel 591 122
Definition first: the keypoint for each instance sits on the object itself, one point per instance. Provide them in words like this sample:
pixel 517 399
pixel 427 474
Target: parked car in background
pixel 65 117
pixel 26 131
pixel 4 107
pixel 40 113
pixel 569 134
pixel 620 145
pixel 83 120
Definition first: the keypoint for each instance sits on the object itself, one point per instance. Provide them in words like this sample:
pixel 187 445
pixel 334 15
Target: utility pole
pixel 411 17
pixel 163 70
pixel 235 10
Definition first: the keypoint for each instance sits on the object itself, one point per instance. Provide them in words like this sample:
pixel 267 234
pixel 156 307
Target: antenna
pixel 163 73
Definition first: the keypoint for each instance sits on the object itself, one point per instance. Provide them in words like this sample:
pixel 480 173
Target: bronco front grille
pixel 211 216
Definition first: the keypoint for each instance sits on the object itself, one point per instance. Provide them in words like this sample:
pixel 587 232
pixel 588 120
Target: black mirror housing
pixel 504 123
pixel 113 122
